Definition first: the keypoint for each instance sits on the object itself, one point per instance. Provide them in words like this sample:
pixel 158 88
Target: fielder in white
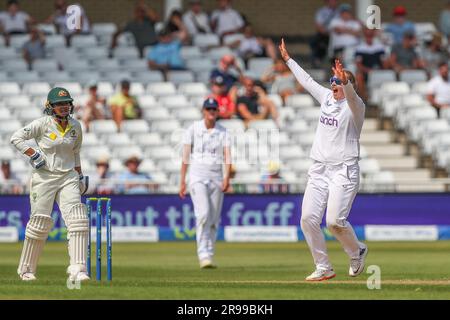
pixel 333 179
pixel 56 176
pixel 206 148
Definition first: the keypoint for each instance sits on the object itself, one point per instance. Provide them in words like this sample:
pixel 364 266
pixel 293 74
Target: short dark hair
pixel 11 2
pixel 442 63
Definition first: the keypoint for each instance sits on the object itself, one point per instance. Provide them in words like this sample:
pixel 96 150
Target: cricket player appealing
pixel 333 179
pixel 56 176
pixel 206 146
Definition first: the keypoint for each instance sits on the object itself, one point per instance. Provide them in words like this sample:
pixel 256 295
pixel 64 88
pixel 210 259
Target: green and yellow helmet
pixel 57 95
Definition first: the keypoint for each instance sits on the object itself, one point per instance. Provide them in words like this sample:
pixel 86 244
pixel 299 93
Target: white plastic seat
pixel 377 77
pixel 7 152
pixel 166 126
pixel 200 65
pixel 235 125
pixel 147 139
pixel 126 39
pixel 276 99
pixel 300 101
pixel 161 89
pixel 259 65
pixel 149 76
pixel 104 28
pixel 134 65
pixel 262 125
pixel 84 77
pixel 290 152
pixel 123 53
pixel 117 139
pixel 160 152
pixel 15 65
pixel 306 139
pixel 25 76
pixel 193 89
pixel 29 114
pixel 18 40
pixel 77 66
pixel 74 88
pixel 157 113
pixel 116 76
pixel 310 115
pixel 174 101
pixel 147 101
pixel 5 114
pixel 135 126
pixel 9 89
pixel 300 165
pixel 218 53
pixel 206 40
pixel 369 166
pixel 297 126
pixel 420 88
pixel 54 77
pixel 83 41
pixel 394 88
pixel 189 52
pixel 413 76
pixel 17 102
pixel 95 53
pixel 231 38
pixel 136 88
pixel 147 166
pixel 105 88
pixel 9 126
pixel 9 53
pixel 103 126
pixel 45 65
pixel 36 88
pixel 90 139
pixel 95 152
pixel 188 114
pixel 47 29
pixel 180 76
pixel 107 65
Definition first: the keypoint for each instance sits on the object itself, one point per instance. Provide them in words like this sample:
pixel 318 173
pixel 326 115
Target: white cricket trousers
pixel 207 198
pixel 333 187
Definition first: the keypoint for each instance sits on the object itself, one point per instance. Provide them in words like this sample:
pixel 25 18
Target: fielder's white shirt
pixel 440 89
pixel 340 124
pixel 207 151
pixel 60 148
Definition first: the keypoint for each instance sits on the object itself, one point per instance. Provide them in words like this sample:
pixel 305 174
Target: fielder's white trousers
pixel 207 198
pixel 333 187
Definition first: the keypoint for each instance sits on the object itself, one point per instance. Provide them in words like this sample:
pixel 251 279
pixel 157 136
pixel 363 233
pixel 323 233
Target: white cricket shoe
pixel 357 265
pixel 320 275
pixel 207 264
pixel 77 273
pixel 27 276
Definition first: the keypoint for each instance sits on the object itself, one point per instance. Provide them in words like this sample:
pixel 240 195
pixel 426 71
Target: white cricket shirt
pixel 340 123
pixel 207 151
pixel 440 88
pixel 60 148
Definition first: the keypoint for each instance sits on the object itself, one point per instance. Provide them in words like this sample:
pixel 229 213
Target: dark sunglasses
pixel 334 79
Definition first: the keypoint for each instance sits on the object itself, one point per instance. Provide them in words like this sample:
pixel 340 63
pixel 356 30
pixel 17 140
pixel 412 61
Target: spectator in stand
pixel 444 21
pixel 176 26
pixel 319 43
pixel 132 181
pixel 272 182
pixel 13 21
pixel 9 182
pixel 439 88
pixel 95 106
pixel 254 104
pixel 61 17
pixel 404 55
pixel 101 183
pixel 226 99
pixel 369 55
pixel 124 106
pixel 434 53
pixel 345 31
pixel 225 20
pixel 281 80
pixel 226 64
pixel 35 47
pixel 195 19
pixel 142 27
pixel 166 54
pixel 400 26
pixel 251 46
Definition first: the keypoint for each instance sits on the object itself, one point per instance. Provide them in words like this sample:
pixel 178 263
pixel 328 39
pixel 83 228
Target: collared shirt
pixel 398 30
pixel 14 23
pixel 60 148
pixel 207 151
pixel 227 20
pixel 196 23
pixel 340 124
pixel 440 88
pixel 167 53
pixel 341 40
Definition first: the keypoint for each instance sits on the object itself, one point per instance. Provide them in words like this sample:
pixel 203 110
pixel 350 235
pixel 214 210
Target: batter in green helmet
pixel 56 176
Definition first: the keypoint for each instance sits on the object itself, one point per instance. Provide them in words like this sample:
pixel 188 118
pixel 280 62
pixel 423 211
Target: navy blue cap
pixel 218 80
pixel 211 103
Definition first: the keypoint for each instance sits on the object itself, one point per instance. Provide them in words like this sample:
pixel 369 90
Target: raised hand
pixel 339 72
pixel 283 51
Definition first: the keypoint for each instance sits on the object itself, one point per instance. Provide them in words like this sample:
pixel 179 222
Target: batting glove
pixel 84 183
pixel 37 160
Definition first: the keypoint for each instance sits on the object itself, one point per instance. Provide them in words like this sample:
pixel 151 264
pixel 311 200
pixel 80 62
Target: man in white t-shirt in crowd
pixel 14 21
pixel 225 20
pixel 439 89
pixel 195 19
pixel 345 31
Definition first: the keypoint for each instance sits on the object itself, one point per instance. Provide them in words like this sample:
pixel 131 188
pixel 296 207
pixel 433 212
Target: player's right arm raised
pixel 316 90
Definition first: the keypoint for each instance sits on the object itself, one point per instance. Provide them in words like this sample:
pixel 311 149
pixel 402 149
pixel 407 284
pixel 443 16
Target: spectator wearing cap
pixel 369 55
pixel 444 21
pixel 404 56
pixel 434 53
pixel 225 70
pixel 319 42
pixel 225 99
pixel 345 31
pixel 195 19
pixel 251 46
pixel 132 181
pixel 254 104
pixel 281 80
pixel 13 20
pixel 34 48
pixel 225 20
pixel 124 106
pixel 438 92
pixel 9 182
pixel 400 26
pixel 142 27
pixel 166 54
pixel 95 108
pixel 101 179
pixel 272 182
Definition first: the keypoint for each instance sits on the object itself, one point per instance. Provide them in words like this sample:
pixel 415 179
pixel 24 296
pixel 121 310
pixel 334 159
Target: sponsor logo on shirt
pixel 329 121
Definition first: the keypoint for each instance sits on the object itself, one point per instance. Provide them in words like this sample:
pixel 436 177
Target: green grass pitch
pixel 169 270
